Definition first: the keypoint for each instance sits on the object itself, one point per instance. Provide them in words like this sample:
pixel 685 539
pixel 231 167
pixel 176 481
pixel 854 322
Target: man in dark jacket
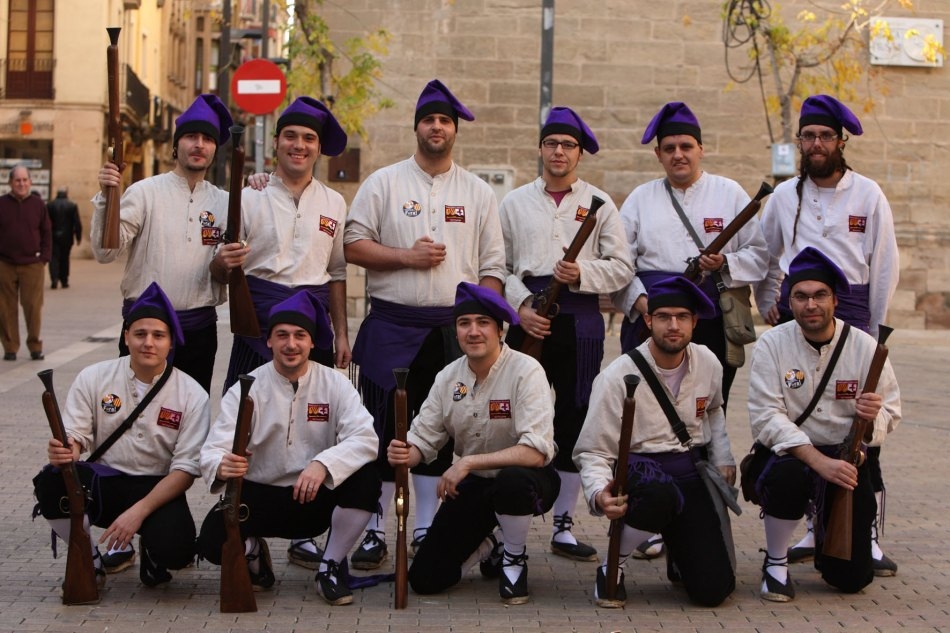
pixel 64 218
pixel 24 249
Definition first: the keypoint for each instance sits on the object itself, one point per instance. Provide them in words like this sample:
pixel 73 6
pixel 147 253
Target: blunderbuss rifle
pixel 545 302
pixel 237 594
pixel 243 316
pixel 110 229
pixel 402 493
pixel 619 484
pixel 840 502
pixel 79 586
pixel 693 272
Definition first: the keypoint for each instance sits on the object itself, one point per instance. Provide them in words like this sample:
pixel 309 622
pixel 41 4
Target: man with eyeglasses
pixel 846 216
pixel 787 364
pixel 539 220
pixel 664 491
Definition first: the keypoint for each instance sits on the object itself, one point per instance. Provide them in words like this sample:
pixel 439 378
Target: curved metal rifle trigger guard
pixel 244 513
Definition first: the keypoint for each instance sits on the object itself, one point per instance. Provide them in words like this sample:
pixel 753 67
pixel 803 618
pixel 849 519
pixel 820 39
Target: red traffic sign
pixel 258 86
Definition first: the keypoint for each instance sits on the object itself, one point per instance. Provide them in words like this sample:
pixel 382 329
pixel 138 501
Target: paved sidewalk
pixel 80 327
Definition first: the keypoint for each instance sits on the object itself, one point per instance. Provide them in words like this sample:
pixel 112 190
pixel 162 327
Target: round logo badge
pixel 111 403
pixel 794 378
pixel 412 208
pixel 459 391
pixel 206 218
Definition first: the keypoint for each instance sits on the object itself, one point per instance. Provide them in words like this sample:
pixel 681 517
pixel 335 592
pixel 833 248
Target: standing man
pixel 539 221
pixel 64 218
pixel 495 404
pixel 664 491
pixel 170 225
pixel 310 457
pixel 25 245
pixel 138 484
pixel 418 227
pixel 293 241
pixel 660 243
pixel 847 217
pixel 787 364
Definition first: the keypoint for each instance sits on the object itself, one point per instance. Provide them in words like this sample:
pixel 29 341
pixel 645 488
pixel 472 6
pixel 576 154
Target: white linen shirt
pixel 166 436
pixel 856 231
pixel 512 407
pixel 537 231
pixel 659 241
pixel 786 370
pixel 323 421
pixel 294 244
pixel 401 203
pixel 163 226
pixel 698 405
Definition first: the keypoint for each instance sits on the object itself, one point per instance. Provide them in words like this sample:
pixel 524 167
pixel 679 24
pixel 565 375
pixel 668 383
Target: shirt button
pixel 819 408
pixel 475 415
pixel 191 199
pixel 819 217
pixel 141 435
pixel 191 219
pixel 434 229
pixel 478 435
pixel 189 239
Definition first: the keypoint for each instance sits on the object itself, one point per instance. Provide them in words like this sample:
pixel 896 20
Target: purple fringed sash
pixel 589 333
pixel 662 468
pixel 853 307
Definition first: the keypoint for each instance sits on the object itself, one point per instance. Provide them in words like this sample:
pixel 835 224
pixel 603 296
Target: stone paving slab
pixel 916 470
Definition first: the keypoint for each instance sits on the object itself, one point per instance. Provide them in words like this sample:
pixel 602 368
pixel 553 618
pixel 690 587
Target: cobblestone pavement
pixel 81 325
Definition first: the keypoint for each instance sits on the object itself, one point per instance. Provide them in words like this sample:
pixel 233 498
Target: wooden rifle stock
pixel 402 493
pixel 545 302
pixel 693 272
pixel 243 316
pixel 839 527
pixel 79 585
pixel 110 229
pixel 237 594
pixel 619 484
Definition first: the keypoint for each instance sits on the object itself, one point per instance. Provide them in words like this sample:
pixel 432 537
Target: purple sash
pixel 589 333
pixel 266 294
pixel 190 320
pixel 853 308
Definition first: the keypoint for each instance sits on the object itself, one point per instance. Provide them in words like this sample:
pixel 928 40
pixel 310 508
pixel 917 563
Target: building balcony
pixel 27 78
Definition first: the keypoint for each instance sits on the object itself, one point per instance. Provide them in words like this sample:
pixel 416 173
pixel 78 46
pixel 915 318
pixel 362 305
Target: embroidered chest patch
pixel 411 208
pixel 459 391
pixel 794 378
pixel 169 418
pixel 857 223
pixel 846 389
pixel 454 214
pixel 318 412
pixel 499 409
pixel 206 218
pixel 581 214
pixel 712 225
pixel 210 234
pixel 328 225
pixel 111 403
pixel 701 406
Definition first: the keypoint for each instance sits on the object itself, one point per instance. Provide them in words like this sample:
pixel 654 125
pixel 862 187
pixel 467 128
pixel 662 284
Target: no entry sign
pixel 258 86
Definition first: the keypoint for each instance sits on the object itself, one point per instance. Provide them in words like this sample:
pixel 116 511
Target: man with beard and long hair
pixel 418 227
pixel 664 491
pixel 846 216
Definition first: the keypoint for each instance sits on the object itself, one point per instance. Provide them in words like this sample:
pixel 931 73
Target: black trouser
pixel 462 523
pixel 195 357
pixel 168 533
pixel 693 534
pixel 789 486
pixel 272 511
pixel 559 359
pixel 436 352
pixel 59 260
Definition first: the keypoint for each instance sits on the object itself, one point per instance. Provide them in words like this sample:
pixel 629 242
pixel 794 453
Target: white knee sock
pixel 377 521
pixel 629 539
pixel 62 529
pixel 481 552
pixel 876 552
pixel 427 502
pixel 566 502
pixel 251 547
pixel 809 539
pixel 346 525
pixel 778 534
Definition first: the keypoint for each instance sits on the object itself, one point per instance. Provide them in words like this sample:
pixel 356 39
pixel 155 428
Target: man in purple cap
pixel 293 241
pixel 138 483
pixel 846 215
pixel 660 242
pixel 664 492
pixel 310 464
pixel 539 220
pixel 787 363
pixel 170 225
pixel 495 404
pixel 25 247
pixel 418 227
